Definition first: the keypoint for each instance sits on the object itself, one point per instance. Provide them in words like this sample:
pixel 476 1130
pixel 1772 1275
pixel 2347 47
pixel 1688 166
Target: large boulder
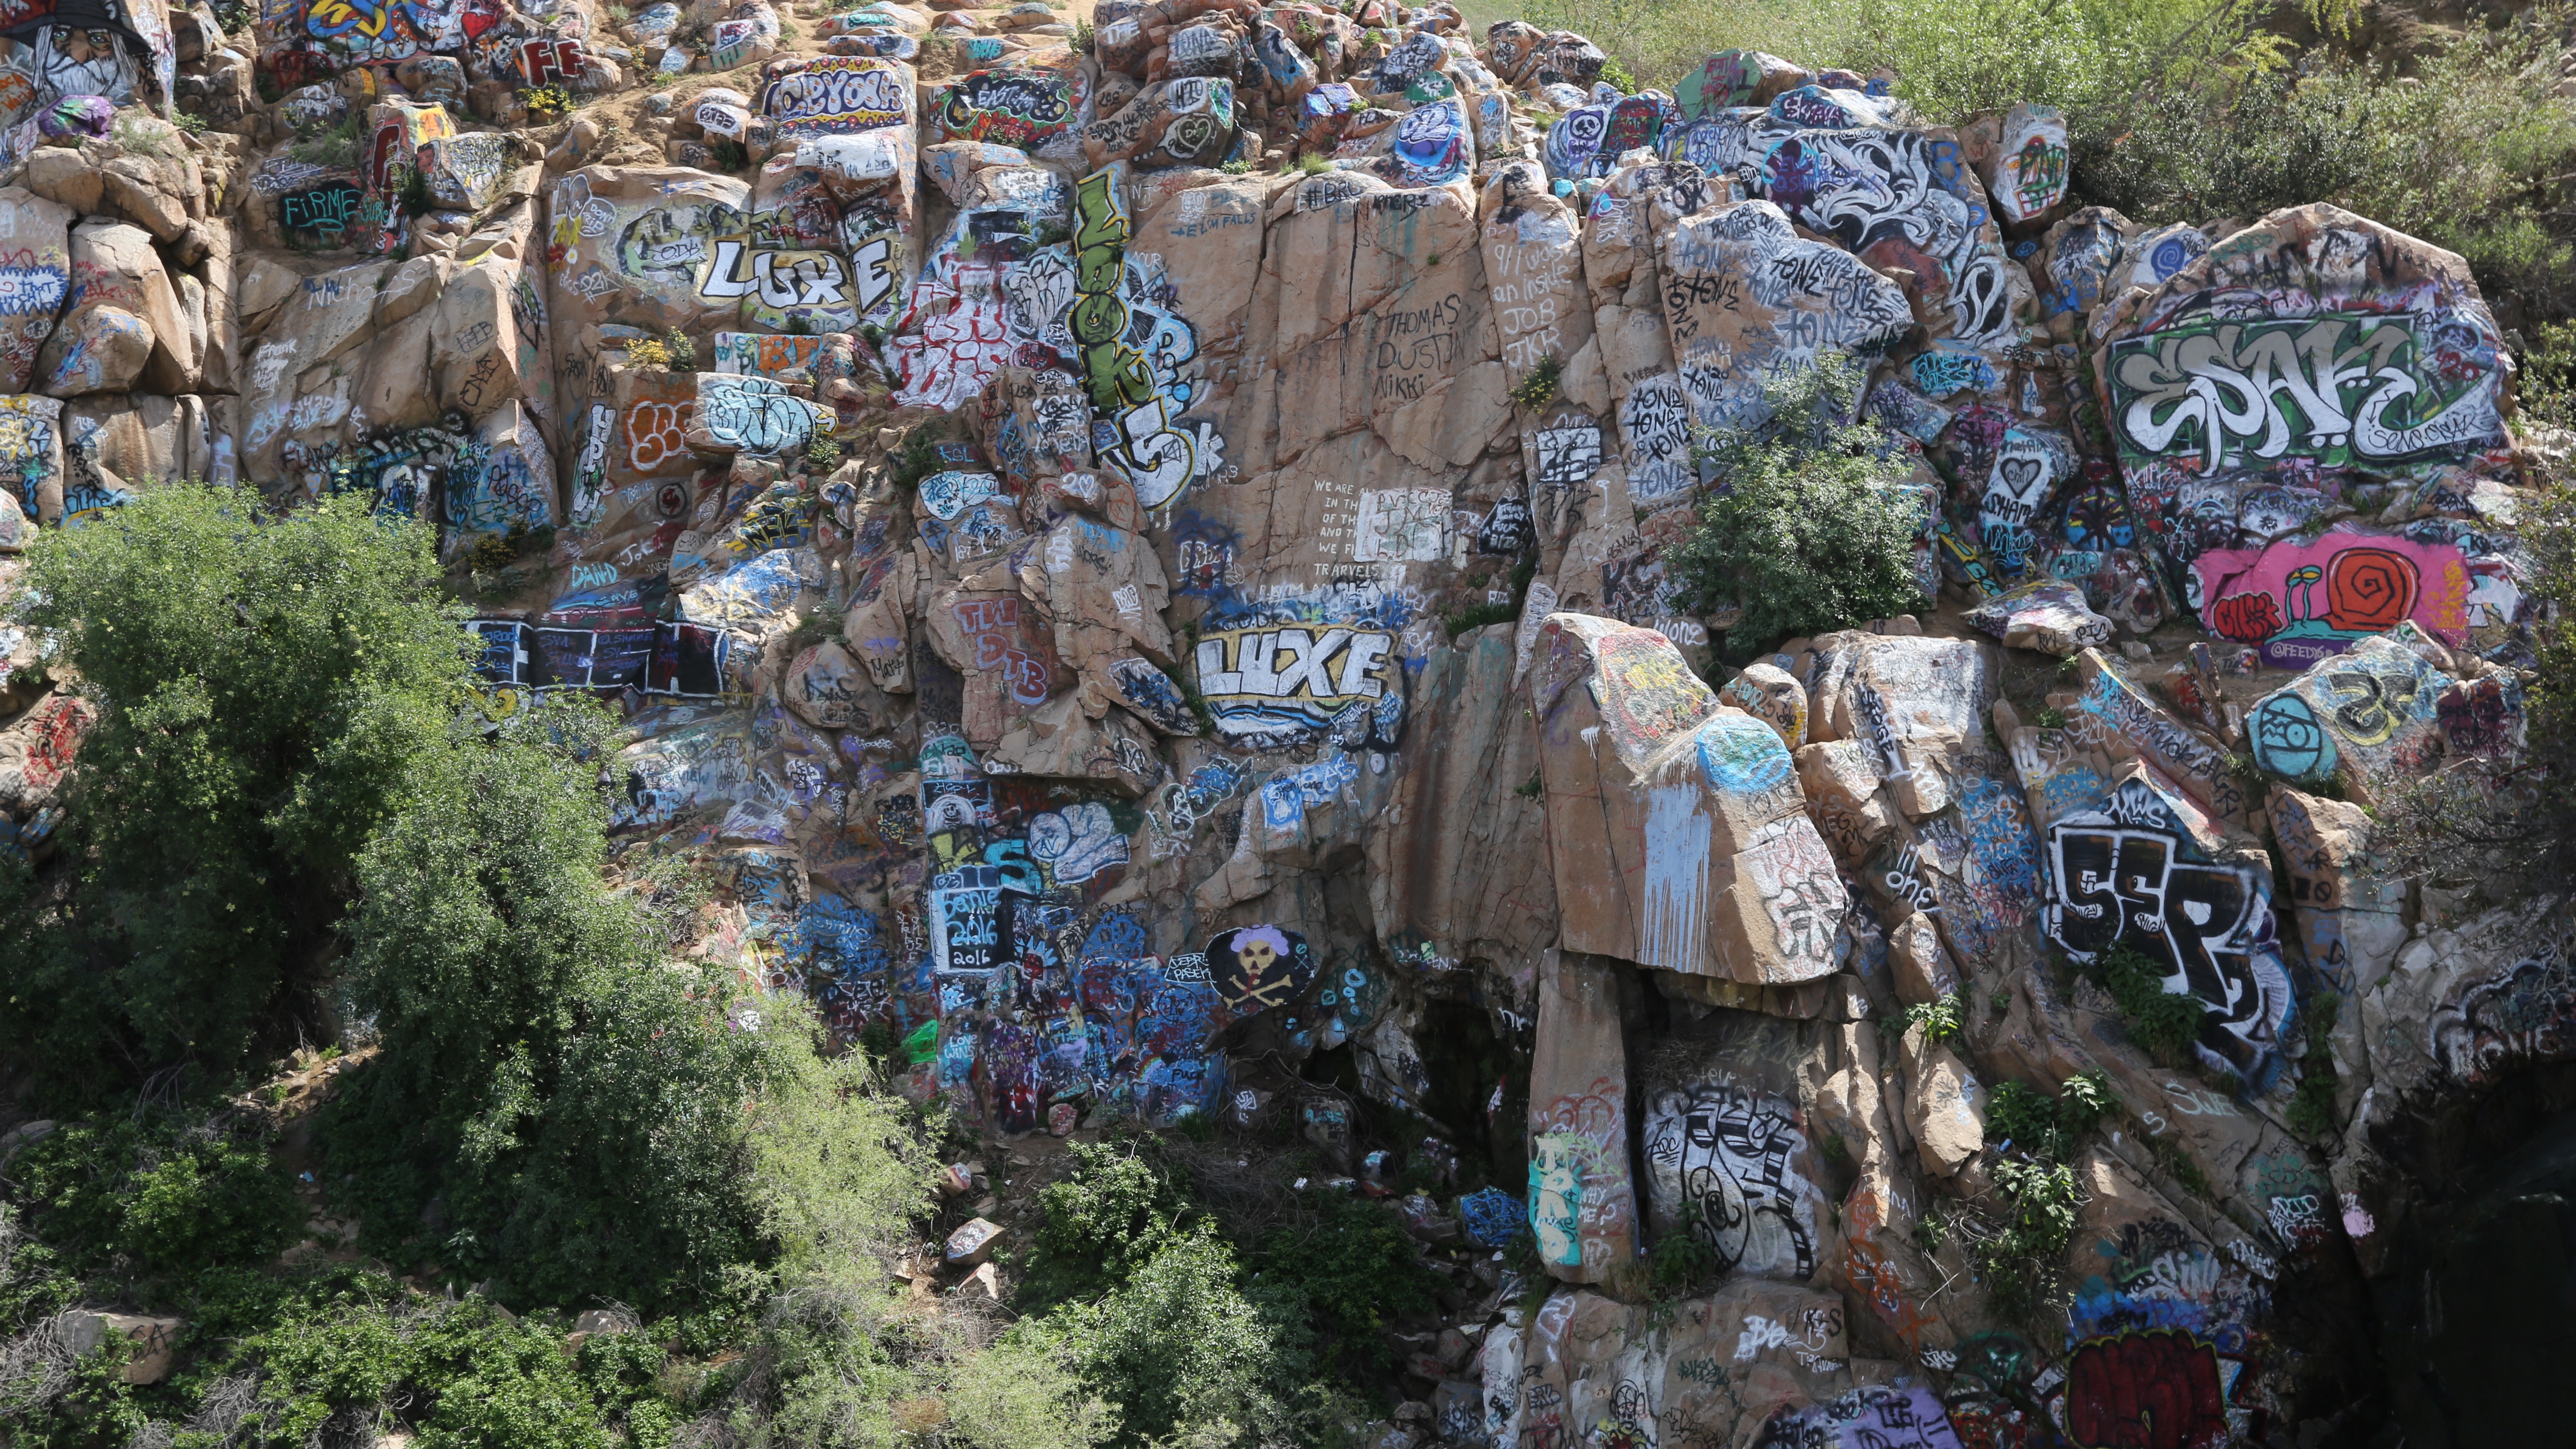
pixel 34 282
pixel 1677 825
pixel 125 327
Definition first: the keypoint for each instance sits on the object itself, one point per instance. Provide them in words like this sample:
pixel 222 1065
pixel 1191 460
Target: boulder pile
pixel 1131 543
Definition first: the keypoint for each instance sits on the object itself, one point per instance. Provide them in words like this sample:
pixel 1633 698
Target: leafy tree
pixel 1807 529
pixel 1187 1355
pixel 1101 1222
pixel 262 688
pixel 562 1104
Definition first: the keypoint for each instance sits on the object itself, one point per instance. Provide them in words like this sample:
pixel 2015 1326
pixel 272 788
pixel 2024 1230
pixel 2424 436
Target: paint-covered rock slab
pixel 2302 361
pixel 1677 824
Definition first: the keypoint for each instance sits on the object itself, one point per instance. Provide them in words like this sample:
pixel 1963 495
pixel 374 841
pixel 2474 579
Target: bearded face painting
pixel 75 60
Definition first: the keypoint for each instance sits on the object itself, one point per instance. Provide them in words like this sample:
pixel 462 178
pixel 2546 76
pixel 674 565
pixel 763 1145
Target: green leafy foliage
pixel 336 148
pixel 2046 1127
pixel 1678 1263
pixel 2034 1134
pixel 2547 384
pixel 325 1356
pixel 2044 1203
pixel 566 1102
pixel 263 689
pixel 1355 1264
pixel 2469 150
pixel 1188 1355
pixel 1938 1017
pixel 1804 531
pixel 158 1195
pixel 2164 1023
pixel 1101 1222
pixel 838 1166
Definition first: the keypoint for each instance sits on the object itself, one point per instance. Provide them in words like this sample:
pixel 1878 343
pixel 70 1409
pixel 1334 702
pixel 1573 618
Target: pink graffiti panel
pixel 2300 602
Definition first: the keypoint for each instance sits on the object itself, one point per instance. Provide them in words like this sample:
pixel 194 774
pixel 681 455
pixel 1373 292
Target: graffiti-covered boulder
pixel 35 280
pixel 2048 616
pixel 1677 825
pixel 2024 166
pixel 2366 718
pixel 1729 1159
pixel 1030 107
pixel 2136 870
pixel 1186 122
pixel 2302 600
pixel 31 455
pixel 1582 1192
pixel 1748 300
pixel 123 327
pixel 2313 359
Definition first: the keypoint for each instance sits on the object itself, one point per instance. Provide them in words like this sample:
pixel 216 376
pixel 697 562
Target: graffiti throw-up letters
pixel 2344 391
pixel 1285 684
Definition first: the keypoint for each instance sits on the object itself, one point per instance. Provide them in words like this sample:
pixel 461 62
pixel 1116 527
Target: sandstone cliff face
pixel 1105 608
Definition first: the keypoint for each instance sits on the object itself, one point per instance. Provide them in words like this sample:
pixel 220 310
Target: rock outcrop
pixel 1137 566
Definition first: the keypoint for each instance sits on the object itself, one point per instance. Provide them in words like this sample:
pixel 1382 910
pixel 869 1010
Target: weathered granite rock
pixel 1676 824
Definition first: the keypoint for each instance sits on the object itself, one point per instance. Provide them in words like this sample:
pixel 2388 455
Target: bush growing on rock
pixel 1804 529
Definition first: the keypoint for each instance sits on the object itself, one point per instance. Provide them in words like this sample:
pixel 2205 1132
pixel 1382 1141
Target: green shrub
pixel 166 1196
pixel 336 148
pixel 1355 1265
pixel 1187 1355
pixel 1938 1017
pixel 838 1169
pixel 502 1385
pixel 1477 616
pixel 2311 1112
pixel 1104 1220
pixel 2470 152
pixel 263 690
pixel 1678 1263
pixel 1803 531
pixel 1022 1393
pixel 2016 1262
pixel 571 1104
pixel 2165 1023
pixel 2547 386
pixel 2048 1127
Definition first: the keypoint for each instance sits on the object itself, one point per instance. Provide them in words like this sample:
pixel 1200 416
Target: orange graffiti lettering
pixel 656 432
